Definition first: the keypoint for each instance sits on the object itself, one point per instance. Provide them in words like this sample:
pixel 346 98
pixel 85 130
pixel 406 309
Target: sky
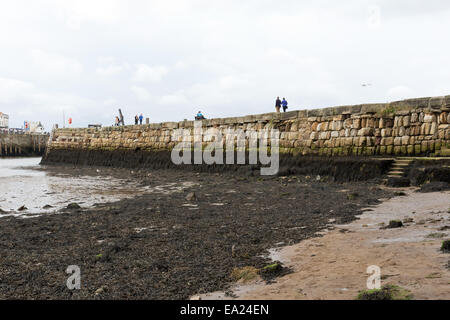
pixel 168 59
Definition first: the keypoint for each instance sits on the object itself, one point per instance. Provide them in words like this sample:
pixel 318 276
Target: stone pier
pixel 414 127
pixel 22 145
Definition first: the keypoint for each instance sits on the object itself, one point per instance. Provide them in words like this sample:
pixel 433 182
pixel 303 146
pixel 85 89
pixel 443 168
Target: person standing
pixel 141 117
pixel 284 103
pixel 136 119
pixel 117 121
pixel 278 104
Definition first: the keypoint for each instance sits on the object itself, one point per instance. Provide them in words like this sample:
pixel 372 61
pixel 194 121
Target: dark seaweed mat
pixel 183 252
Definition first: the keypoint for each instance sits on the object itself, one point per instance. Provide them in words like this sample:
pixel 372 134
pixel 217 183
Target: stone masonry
pixel 19 145
pixel 410 127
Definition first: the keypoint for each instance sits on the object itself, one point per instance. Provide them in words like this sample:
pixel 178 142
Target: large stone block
pixel 356 123
pixel 429 117
pixel 437 102
pixel 289 115
pixel 366 132
pixel 405 140
pixel 386 132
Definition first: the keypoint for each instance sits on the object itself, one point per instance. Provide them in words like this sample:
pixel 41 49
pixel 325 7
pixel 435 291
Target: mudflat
pixel 168 243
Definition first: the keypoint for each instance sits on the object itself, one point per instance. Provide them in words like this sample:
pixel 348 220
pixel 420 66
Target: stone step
pixel 398 173
pixel 402 164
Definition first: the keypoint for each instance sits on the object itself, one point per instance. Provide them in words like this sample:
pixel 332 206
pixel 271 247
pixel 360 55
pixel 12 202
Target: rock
pixel 22 208
pixel 434 187
pixel 195 298
pixel 191 196
pixel 394 224
pixel 99 291
pixel 272 269
pixel 47 207
pixel 73 206
pixel 445 246
pixel 399 182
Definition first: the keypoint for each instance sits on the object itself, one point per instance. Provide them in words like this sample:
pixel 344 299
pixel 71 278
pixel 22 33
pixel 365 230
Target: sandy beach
pixel 334 266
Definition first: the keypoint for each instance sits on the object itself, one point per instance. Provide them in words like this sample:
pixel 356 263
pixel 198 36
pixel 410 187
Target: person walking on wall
pixel 200 116
pixel 284 103
pixel 141 117
pixel 136 119
pixel 278 104
pixel 117 121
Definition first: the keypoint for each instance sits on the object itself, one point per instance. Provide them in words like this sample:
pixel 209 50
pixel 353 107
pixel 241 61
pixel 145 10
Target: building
pixel 37 127
pixel 34 127
pixel 4 121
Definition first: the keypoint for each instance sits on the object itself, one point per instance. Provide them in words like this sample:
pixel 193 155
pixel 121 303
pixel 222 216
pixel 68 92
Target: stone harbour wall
pixel 21 145
pixel 410 127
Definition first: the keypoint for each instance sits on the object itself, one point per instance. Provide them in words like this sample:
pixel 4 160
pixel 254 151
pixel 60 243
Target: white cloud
pixel 12 90
pixel 141 93
pixel 145 73
pixel 109 70
pixel 110 102
pixel 227 58
pixel 53 64
pixel 400 93
pixel 177 99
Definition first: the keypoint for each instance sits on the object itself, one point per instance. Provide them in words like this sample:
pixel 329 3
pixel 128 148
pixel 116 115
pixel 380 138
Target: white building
pixel 36 127
pixel 4 120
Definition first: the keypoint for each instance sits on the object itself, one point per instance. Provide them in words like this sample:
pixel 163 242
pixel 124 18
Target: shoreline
pixel 333 267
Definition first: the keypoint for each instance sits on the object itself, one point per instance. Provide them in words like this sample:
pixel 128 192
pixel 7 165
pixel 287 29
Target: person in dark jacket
pixel 136 119
pixel 278 104
pixel 284 103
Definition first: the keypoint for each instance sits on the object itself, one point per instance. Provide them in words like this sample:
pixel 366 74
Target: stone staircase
pixel 398 167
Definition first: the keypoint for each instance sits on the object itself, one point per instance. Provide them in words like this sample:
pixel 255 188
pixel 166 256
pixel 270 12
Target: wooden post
pixel 121 120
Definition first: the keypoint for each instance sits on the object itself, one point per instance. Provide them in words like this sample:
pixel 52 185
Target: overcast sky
pixel 170 58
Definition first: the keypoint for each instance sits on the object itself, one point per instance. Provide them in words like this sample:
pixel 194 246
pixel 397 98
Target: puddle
pixel 22 182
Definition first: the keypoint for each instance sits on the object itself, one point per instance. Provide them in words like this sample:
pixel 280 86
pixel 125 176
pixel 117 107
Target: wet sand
pixel 334 266
pixel 159 245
